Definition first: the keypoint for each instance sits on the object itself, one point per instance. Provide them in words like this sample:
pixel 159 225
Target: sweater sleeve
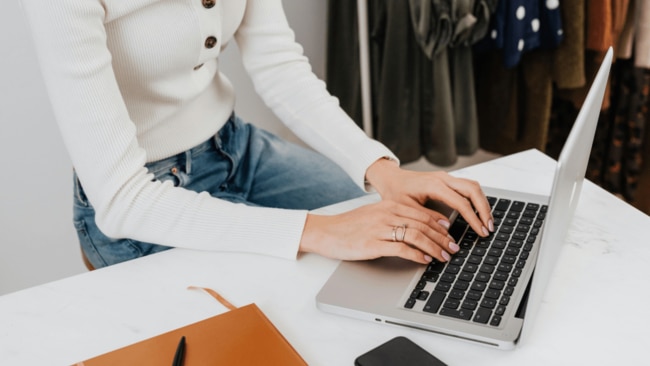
pixel 283 78
pixel 70 40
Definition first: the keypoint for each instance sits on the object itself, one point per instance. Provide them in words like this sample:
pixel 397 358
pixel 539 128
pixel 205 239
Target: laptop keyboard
pixel 476 284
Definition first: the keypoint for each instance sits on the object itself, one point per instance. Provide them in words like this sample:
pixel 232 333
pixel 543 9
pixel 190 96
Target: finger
pixel 403 250
pixel 430 241
pixel 426 240
pixel 460 203
pixel 421 215
pixel 438 217
pixel 472 190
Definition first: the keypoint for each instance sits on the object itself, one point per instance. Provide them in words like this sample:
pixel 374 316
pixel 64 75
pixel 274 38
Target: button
pixel 210 42
pixel 198 67
pixel 208 4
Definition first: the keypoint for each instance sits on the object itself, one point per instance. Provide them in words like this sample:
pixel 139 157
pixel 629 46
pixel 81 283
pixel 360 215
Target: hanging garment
pixel 342 67
pixel 419 90
pixel 395 65
pixel 622 148
pixel 519 26
pixel 446 31
pixel 514 71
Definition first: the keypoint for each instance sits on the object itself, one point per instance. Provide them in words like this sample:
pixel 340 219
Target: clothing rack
pixel 364 60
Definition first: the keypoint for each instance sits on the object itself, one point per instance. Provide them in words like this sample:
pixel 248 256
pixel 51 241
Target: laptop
pixel 489 292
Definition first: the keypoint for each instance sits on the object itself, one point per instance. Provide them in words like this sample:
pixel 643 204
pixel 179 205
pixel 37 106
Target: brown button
pixel 208 3
pixel 210 42
pixel 198 67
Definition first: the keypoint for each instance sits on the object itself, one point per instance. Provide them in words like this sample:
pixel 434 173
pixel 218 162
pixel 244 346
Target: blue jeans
pixel 241 163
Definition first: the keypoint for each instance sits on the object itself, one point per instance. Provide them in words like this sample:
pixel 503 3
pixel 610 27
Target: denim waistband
pixel 185 158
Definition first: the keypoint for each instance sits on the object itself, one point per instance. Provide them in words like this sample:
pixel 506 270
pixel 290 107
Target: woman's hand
pixel 416 188
pixel 383 229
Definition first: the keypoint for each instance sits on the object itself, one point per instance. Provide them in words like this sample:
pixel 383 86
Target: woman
pixel 161 160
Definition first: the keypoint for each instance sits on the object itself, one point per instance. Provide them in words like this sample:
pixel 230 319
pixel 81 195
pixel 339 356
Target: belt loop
pixel 188 161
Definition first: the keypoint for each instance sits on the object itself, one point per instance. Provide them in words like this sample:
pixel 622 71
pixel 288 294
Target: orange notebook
pixel 241 336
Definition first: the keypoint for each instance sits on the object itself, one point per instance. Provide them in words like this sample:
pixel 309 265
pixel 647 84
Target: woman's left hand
pixel 416 188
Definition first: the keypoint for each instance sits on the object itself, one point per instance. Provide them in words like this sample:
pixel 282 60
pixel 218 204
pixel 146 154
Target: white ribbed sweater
pixel 125 89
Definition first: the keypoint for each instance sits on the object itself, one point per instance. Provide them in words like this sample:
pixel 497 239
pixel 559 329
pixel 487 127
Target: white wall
pixel 37 241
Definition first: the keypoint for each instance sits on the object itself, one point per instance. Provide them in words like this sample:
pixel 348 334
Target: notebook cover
pixel 243 336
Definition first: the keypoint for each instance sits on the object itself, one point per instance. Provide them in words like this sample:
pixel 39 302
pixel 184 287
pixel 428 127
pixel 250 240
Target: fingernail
pixel 446 256
pixel 454 247
pixel 485 231
pixel 491 225
pixel 444 223
pixel 428 258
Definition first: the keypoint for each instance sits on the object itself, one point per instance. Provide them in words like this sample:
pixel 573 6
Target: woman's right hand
pixel 383 229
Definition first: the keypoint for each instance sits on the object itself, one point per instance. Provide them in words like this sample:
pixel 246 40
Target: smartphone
pixel 398 351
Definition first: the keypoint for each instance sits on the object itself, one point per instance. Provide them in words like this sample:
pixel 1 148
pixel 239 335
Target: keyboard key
pixel 471 268
pixel 457 294
pixel 482 315
pixel 513 214
pixel 474 259
pixel 529 213
pixel 532 207
pixel 452 269
pixel 443 286
pixel 509 222
pixel 461 285
pixel 504 300
pixel 479 286
pixel 483 277
pixel 497 285
pixel 457 229
pixel 451 304
pixel 502 204
pixel 409 303
pixel 488 303
pixel 469 304
pixel 496 320
pixel 430 276
pixel 447 277
pixel 504 267
pixel 500 310
pixel 436 266
pixel 459 314
pixel 435 300
pixel 487 268
pixel 518 206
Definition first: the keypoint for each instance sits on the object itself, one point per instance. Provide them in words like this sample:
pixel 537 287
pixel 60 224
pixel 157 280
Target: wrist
pixel 379 173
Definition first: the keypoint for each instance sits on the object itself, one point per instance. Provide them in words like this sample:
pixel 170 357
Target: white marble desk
pixel 583 319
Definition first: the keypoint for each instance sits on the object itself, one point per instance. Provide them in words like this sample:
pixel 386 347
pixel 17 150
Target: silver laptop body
pixel 378 290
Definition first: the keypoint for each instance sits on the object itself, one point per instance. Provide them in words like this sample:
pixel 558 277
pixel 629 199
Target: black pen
pixel 179 357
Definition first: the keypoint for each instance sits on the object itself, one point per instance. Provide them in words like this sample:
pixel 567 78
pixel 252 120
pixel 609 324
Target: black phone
pixel 398 351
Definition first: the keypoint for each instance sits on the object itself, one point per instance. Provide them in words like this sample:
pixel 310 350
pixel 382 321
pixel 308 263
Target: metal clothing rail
pixel 364 61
